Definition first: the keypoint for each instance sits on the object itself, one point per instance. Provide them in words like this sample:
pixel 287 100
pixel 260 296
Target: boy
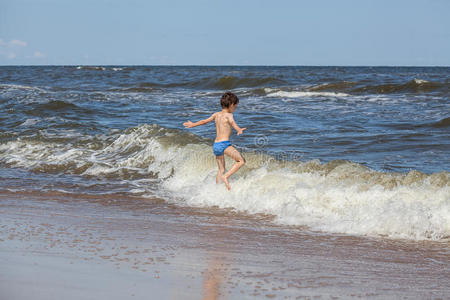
pixel 224 121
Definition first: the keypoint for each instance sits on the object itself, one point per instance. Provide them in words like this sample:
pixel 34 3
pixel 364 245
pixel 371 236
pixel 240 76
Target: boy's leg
pixel 221 170
pixel 240 161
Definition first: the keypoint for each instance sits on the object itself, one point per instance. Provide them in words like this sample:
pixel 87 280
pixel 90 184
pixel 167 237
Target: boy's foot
pixel 225 180
pixel 218 179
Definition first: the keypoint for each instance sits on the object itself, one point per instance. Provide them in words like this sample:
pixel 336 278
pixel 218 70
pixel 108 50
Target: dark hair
pixel 227 99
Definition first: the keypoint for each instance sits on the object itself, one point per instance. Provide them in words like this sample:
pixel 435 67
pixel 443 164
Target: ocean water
pixel 354 150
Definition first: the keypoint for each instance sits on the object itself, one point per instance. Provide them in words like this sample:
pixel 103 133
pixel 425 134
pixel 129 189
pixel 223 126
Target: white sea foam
pixel 23 93
pixel 420 81
pixel 298 94
pixel 335 197
pixel 20 87
pixel 275 92
pixel 91 68
pixel 29 122
pixel 328 202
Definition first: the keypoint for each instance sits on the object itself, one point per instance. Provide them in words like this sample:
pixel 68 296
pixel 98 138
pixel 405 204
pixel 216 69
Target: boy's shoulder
pixel 221 113
pixel 225 114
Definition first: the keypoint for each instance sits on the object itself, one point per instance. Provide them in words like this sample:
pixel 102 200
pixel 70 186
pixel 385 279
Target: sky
pixel 225 32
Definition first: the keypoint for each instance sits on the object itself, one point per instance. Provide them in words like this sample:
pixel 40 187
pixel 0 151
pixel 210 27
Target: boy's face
pixel 232 107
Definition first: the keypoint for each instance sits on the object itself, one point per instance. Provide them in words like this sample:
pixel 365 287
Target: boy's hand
pixel 188 124
pixel 240 131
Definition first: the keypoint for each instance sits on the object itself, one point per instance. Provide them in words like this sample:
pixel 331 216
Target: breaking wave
pixel 299 94
pixel 272 87
pixel 338 196
pixel 347 88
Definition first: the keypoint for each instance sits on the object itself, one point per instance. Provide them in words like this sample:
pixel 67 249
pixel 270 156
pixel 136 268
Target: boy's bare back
pixel 223 125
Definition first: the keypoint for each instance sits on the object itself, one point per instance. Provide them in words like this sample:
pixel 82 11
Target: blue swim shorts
pixel 219 147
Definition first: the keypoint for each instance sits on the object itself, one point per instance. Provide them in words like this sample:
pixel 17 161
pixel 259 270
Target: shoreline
pixel 76 246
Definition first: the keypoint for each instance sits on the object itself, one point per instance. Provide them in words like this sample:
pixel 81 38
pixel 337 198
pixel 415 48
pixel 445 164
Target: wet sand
pixel 60 246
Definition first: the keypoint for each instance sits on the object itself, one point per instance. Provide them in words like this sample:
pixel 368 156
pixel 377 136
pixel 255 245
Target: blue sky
pixel 212 32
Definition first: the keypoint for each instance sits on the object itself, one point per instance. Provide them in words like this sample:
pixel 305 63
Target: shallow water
pixel 354 150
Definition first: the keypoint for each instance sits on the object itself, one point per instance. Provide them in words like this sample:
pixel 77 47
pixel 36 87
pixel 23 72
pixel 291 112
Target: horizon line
pixel 199 65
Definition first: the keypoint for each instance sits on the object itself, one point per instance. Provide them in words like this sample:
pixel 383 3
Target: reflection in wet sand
pixel 214 276
pixel 215 272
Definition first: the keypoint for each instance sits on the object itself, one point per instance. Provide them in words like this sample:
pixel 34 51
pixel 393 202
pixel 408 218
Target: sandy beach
pixel 61 246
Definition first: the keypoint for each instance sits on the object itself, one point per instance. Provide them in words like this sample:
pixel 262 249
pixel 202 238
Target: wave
pixel 414 86
pixel 347 88
pixel 100 68
pixel 29 122
pixel 57 105
pixel 299 94
pixel 23 93
pixel 338 196
pixel 136 90
pixel 442 123
pixel 334 86
pixel 8 87
pixel 50 107
pixel 97 68
pixel 208 83
pixel 282 92
pixel 232 82
pixel 248 86
pixel 339 89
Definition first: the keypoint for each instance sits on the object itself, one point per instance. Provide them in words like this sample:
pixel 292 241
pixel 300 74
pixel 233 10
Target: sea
pixel 360 151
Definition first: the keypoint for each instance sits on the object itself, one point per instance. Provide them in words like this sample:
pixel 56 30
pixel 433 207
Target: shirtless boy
pixel 224 121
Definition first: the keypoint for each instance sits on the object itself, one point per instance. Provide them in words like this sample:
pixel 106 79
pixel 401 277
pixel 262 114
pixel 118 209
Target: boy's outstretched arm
pixel 235 126
pixel 189 124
